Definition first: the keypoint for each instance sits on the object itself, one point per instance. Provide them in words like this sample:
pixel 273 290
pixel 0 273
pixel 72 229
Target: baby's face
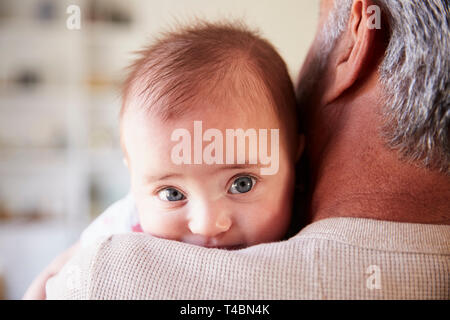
pixel 213 205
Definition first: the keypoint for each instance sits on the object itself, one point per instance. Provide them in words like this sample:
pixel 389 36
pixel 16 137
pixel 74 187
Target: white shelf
pixel 39 154
pixel 62 176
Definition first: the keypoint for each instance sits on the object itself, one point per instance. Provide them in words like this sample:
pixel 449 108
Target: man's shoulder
pixel 339 258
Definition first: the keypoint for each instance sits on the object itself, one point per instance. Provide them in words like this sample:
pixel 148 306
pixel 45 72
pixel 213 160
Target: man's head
pixel 408 56
pixel 223 77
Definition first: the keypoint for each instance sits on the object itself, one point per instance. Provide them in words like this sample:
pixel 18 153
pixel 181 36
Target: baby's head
pixel 195 177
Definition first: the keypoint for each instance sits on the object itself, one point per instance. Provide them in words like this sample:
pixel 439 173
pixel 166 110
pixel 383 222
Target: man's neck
pixel 360 177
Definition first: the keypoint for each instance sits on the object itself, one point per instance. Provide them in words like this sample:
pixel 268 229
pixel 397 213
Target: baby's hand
pixel 36 291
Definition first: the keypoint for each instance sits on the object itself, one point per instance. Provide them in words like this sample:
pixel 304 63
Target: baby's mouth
pixel 231 247
pixel 213 243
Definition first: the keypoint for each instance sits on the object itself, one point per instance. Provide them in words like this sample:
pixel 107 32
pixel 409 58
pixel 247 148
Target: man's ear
pixel 354 50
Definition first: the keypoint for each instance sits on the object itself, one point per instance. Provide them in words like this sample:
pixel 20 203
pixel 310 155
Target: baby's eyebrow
pixel 239 166
pixel 149 179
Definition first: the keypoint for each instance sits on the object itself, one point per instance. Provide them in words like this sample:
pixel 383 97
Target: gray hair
pixel 414 74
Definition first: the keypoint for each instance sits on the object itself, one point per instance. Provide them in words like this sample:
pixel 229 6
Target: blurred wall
pixel 60 161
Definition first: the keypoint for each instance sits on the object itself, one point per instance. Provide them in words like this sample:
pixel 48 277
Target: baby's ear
pixel 300 147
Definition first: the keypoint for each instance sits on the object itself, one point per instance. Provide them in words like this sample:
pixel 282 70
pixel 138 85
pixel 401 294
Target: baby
pixel 206 82
pixel 209 133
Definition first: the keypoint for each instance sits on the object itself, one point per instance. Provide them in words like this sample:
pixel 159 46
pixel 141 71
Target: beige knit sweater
pixel 338 258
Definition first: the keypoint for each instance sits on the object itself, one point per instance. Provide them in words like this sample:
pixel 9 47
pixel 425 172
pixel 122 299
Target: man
pixel 375 96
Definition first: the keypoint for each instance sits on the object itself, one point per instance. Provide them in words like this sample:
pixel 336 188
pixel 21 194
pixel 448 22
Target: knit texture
pixel 336 258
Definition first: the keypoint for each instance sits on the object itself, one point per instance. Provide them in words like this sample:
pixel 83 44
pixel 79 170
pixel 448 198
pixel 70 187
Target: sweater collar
pixel 382 235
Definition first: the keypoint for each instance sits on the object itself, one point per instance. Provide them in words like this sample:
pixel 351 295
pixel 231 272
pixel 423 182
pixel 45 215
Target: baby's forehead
pixel 240 111
pixel 151 142
pixel 142 129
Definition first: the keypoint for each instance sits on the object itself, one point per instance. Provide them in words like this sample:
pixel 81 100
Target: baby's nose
pixel 209 224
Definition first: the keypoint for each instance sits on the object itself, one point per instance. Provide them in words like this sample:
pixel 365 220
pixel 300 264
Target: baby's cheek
pixel 267 223
pixel 161 224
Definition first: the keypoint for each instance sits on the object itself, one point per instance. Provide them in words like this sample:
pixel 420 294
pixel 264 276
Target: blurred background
pixel 60 160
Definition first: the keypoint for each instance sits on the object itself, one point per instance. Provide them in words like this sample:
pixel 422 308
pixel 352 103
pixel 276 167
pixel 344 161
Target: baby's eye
pixel 171 194
pixel 242 185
